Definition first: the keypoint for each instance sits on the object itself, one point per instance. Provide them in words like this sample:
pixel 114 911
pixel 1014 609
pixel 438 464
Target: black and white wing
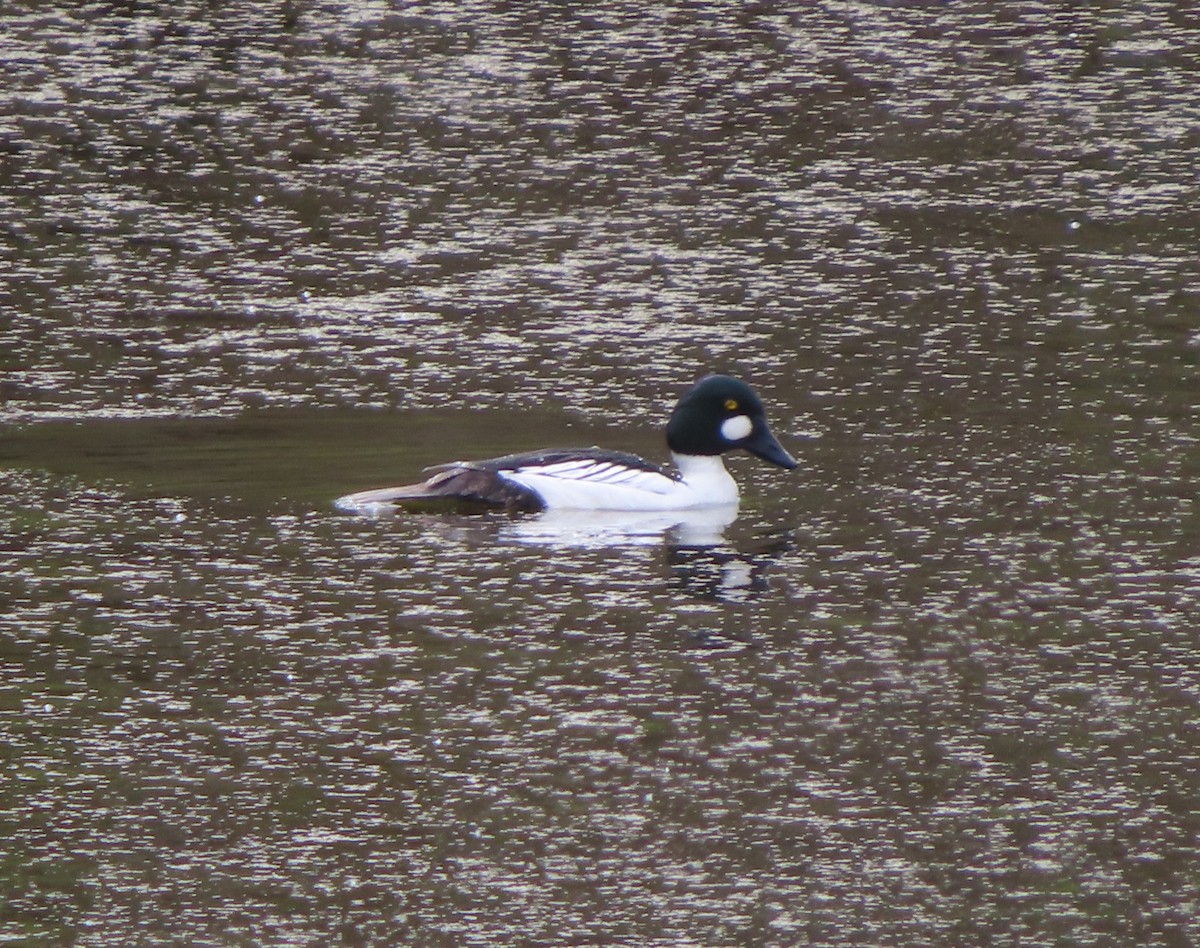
pixel 506 481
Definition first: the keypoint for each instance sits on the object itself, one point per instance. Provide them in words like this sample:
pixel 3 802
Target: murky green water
pixel 937 686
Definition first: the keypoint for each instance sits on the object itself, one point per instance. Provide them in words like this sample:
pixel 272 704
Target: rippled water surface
pixel 938 686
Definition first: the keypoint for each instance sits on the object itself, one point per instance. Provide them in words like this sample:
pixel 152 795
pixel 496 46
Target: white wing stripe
pixel 583 470
pixel 599 472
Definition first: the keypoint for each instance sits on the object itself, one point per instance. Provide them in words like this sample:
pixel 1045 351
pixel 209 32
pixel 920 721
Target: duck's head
pixel 720 414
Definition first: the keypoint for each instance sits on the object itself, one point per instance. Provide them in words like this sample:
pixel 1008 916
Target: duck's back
pixel 587 478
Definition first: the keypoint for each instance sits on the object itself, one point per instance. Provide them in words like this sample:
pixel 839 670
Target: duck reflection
pixel 703 564
pixel 700 528
pixel 723 573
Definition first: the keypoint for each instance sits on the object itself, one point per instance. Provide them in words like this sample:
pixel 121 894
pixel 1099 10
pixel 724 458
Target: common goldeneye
pixel 718 414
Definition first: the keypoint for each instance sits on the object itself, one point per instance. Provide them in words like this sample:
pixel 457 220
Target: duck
pixel 717 415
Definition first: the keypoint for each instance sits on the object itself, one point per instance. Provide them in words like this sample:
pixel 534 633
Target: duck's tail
pixel 460 483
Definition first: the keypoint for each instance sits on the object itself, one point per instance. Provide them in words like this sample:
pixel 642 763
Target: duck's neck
pixel 705 474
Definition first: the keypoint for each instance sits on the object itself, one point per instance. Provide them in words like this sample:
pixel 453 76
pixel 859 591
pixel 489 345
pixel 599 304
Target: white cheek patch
pixel 736 428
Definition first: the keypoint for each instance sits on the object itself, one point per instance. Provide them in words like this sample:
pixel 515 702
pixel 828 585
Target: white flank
pixel 606 485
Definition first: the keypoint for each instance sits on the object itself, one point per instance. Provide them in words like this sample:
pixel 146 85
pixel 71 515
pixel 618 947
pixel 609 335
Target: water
pixel 938 685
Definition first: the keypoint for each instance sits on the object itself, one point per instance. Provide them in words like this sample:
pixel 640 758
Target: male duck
pixel 718 414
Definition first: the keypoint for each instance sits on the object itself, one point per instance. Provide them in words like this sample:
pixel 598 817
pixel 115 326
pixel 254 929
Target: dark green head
pixel 720 414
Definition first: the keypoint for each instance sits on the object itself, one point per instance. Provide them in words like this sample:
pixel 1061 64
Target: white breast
pixel 596 484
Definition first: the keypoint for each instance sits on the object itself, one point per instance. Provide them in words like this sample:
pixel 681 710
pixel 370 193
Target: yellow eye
pixel 731 404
